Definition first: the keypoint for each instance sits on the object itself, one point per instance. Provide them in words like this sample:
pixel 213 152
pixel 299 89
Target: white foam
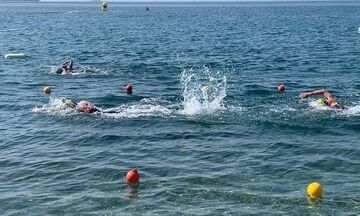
pixel 8 30
pixel 203 91
pixel 136 111
pixel 70 12
pixel 55 107
pixel 348 111
pixel 317 106
pixel 352 111
pixel 15 56
pixel 281 109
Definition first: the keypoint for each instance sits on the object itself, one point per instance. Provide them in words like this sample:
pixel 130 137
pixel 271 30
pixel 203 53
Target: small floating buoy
pixel 128 88
pixel 147 8
pixel 314 190
pixel 104 6
pixel 47 90
pixel 132 177
pixel 281 88
pixel 15 55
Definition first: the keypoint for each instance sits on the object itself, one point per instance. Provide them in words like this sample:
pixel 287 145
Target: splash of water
pixel 136 111
pixel 352 111
pixel 56 106
pixel 348 111
pixel 318 107
pixel 203 91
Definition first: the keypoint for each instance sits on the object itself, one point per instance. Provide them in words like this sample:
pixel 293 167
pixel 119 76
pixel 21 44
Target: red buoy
pixel 132 176
pixel 281 88
pixel 128 88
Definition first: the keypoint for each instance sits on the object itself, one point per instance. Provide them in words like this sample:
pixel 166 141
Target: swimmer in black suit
pixel 66 67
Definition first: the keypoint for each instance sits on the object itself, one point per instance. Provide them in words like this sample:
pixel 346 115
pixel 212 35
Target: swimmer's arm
pixel 71 63
pixel 330 98
pixel 320 91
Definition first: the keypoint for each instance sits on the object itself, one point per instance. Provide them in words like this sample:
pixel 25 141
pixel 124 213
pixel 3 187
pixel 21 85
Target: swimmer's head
pixel 85 106
pixel 59 70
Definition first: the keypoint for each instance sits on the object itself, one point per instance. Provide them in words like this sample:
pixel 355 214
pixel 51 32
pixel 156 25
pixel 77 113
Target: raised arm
pixel 316 92
pixel 71 63
pixel 331 101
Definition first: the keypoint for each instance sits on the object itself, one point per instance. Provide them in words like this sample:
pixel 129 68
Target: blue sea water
pixel 240 148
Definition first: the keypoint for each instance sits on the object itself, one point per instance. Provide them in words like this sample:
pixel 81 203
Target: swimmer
pixel 81 106
pixel 66 67
pixel 205 88
pixel 84 106
pixel 329 99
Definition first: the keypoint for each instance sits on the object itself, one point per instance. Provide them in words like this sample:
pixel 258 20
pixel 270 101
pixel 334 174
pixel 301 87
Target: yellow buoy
pixel 47 90
pixel 315 190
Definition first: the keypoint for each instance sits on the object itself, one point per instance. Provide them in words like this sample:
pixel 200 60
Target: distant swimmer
pixel 81 106
pixel 66 67
pixel 329 99
pixel 205 88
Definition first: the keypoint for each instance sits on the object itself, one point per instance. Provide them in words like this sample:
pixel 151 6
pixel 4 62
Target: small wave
pixel 71 12
pixel 8 30
pixel 136 111
pixel 282 109
pixel 352 111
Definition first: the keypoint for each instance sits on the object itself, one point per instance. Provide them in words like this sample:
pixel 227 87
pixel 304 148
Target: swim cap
pixel 85 106
pixel 321 101
pixel 59 71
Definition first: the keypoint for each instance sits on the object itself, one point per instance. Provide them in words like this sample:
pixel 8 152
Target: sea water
pixel 205 126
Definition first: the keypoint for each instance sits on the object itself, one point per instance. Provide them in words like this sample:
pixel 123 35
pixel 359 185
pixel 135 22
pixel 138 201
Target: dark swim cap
pixel 59 71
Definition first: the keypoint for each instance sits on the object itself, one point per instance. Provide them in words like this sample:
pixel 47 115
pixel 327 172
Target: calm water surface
pixel 242 148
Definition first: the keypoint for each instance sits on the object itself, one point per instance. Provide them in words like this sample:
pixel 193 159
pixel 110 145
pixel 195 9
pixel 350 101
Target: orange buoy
pixel 281 88
pixel 128 88
pixel 132 177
